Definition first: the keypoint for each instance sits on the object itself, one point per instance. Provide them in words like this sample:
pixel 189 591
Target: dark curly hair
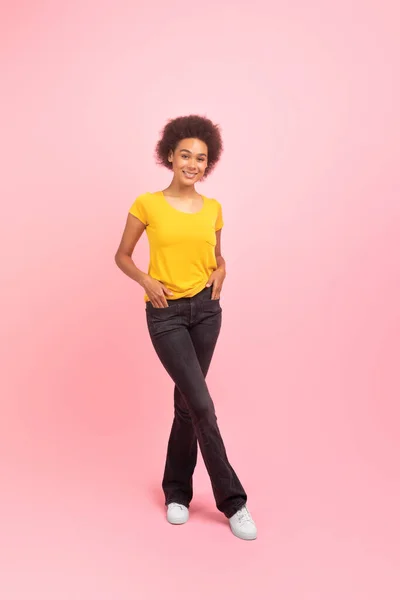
pixel 192 126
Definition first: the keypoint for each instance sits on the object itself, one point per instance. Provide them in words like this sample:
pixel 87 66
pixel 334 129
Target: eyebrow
pixel 184 150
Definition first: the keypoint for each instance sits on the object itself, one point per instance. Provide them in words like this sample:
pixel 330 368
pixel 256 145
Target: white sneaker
pixel 177 514
pixel 242 525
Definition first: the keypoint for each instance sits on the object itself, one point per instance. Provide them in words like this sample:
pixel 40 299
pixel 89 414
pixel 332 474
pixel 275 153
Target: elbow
pixel 121 258
pixel 117 258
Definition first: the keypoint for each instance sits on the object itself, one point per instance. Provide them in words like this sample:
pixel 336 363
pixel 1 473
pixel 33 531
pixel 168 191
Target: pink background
pixel 306 375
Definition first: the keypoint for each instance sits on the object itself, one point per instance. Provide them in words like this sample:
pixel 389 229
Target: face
pixel 189 161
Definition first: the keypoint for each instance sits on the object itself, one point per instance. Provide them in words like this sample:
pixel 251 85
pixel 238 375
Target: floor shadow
pixel 200 508
pixel 156 495
pixel 206 514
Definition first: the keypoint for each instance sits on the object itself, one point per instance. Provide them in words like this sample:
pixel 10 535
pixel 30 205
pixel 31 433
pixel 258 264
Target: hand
pixel 156 292
pixel 216 281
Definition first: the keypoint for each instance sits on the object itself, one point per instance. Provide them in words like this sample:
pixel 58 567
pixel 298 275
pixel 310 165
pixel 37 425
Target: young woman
pixel 182 295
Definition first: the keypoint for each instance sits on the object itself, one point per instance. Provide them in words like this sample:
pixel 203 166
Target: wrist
pixel 142 279
pixel 220 263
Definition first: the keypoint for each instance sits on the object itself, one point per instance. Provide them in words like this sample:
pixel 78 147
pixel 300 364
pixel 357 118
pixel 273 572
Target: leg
pixel 182 444
pixel 176 350
pixel 181 455
pixel 229 493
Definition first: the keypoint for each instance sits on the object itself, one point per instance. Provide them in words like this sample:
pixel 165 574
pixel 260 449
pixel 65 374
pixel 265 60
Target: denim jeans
pixel 184 336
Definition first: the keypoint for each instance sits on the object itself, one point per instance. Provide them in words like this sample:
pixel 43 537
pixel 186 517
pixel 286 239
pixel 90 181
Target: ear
pixel 170 156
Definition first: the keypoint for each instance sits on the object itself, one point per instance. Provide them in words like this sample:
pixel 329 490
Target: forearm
pixel 127 266
pixel 221 263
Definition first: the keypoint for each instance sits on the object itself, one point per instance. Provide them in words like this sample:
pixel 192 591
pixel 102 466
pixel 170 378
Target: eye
pixel 185 156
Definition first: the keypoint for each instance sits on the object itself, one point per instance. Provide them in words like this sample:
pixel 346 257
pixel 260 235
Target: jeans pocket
pixel 161 319
pixel 162 313
pixel 211 306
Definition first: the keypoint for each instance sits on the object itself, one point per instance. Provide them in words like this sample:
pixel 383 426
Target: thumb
pixel 167 291
pixel 210 282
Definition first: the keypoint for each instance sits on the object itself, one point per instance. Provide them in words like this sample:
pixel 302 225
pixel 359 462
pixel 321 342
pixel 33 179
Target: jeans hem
pixel 232 511
pixel 178 501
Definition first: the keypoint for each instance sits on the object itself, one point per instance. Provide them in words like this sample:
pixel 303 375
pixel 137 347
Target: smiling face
pixel 189 161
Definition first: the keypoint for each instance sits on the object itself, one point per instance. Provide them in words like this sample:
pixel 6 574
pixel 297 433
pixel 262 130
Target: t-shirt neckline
pixel 181 211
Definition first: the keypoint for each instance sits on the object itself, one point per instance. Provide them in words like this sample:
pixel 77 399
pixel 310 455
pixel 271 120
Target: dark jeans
pixel 184 336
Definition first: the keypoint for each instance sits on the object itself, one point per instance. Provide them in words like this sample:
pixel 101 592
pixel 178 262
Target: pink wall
pixel 306 376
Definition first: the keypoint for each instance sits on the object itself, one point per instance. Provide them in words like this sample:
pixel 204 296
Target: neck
pixel 177 189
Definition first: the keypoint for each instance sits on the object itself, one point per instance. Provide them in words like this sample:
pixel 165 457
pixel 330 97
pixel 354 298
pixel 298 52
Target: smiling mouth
pixel 189 175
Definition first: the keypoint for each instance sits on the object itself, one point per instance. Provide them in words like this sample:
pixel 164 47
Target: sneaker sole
pixel 247 539
pixel 177 522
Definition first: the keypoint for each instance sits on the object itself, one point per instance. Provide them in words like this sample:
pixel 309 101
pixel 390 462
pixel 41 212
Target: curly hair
pixel 192 126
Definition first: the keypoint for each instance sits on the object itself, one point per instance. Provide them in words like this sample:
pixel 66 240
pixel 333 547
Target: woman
pixel 182 295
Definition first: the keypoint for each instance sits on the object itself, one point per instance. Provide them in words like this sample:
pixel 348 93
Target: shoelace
pixel 244 516
pixel 173 504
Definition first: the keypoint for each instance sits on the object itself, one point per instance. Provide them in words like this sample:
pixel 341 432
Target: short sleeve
pixel 138 209
pixel 219 223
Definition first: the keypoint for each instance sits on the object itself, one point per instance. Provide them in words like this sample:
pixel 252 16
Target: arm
pixel 217 278
pixel 155 290
pixel 123 257
pixel 220 260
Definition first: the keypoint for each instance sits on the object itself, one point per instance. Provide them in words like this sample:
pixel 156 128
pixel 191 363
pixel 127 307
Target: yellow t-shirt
pixel 182 245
